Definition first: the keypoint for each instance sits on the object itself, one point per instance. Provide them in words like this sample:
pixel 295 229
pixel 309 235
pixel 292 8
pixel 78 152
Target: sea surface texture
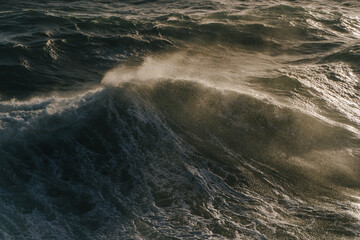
pixel 208 119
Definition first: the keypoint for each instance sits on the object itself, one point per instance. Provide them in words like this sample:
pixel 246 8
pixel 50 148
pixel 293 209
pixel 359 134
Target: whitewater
pixel 167 119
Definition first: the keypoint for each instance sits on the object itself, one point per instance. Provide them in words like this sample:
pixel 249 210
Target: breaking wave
pixel 220 120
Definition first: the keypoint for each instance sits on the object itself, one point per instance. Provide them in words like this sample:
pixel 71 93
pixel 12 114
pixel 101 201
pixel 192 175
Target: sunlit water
pixel 179 119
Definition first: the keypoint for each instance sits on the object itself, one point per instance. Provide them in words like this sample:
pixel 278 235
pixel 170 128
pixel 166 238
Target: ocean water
pixel 208 119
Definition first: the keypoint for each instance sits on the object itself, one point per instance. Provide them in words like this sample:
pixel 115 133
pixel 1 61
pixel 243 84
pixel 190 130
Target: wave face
pixel 179 119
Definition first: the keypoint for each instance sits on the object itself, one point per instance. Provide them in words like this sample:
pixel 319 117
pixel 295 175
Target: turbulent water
pixel 209 119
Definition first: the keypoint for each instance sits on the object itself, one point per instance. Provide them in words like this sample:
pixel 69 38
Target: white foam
pixel 18 115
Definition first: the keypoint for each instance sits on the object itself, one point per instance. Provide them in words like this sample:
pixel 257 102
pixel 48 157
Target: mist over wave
pixel 179 120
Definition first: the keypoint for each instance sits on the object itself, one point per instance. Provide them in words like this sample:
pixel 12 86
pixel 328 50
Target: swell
pixel 46 50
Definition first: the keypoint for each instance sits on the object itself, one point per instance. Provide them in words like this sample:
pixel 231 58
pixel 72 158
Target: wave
pixel 164 157
pixel 246 121
pixel 218 120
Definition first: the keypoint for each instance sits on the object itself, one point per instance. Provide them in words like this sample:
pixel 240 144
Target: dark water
pixel 179 119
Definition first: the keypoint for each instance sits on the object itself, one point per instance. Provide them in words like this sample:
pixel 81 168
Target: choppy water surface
pixel 179 119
